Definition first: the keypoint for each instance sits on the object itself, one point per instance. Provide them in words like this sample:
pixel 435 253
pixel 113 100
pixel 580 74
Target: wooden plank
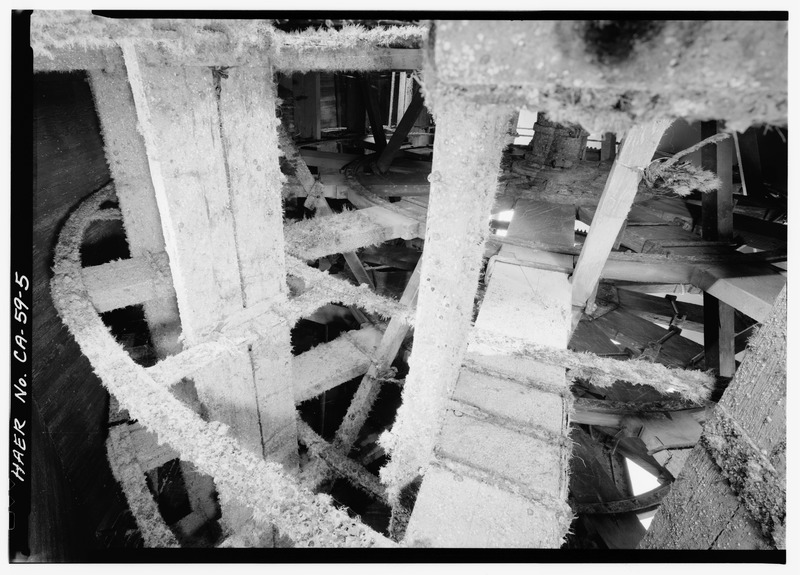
pixel 615 203
pixel 340 57
pixel 330 364
pixel 660 309
pixel 588 337
pixel 678 524
pixel 614 414
pixel 370 385
pixel 749 289
pixel 647 239
pixel 750 162
pixel 250 143
pixel 544 222
pixel 127 161
pixel 202 184
pixel 367 393
pixel 128 282
pixel 326 160
pixel 717 224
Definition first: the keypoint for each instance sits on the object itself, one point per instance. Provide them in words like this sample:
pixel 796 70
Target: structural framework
pixel 480 449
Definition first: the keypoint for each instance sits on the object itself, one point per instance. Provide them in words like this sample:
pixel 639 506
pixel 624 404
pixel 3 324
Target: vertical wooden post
pixel 127 160
pixel 211 143
pixel 467 150
pixel 250 138
pixel 717 222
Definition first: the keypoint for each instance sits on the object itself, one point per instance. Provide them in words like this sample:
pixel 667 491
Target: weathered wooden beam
pixel 335 459
pixel 737 475
pixel 717 224
pixel 367 393
pixel 221 216
pixel 370 385
pixel 676 288
pixel 502 67
pixel 347 232
pixel 127 161
pixel 614 414
pixel 250 142
pixel 400 133
pixel 77 40
pixel 330 364
pixel 129 282
pixel 615 203
pixel 638 503
pixel 750 289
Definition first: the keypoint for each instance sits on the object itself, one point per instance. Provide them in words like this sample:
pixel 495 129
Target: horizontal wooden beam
pixel 330 364
pixel 750 289
pixel 133 281
pixel 64 40
pixel 335 58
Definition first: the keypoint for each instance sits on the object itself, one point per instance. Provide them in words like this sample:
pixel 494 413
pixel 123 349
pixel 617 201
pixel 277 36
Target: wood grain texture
pixel 612 210
pixel 712 506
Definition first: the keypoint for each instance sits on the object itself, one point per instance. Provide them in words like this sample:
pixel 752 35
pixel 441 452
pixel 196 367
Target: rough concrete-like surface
pixel 608 76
